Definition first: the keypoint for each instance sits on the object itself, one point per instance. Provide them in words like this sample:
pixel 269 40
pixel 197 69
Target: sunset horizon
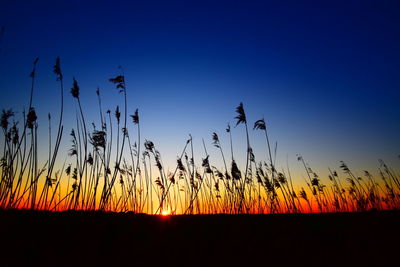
pixel 199 133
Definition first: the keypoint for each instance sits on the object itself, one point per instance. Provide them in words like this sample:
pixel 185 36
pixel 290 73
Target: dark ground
pixel 96 239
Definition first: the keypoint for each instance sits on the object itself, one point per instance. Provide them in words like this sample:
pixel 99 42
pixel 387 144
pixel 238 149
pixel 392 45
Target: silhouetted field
pixel 110 168
pixel 37 238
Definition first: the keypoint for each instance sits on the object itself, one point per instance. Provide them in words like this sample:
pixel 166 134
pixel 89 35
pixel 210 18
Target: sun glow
pixel 165 213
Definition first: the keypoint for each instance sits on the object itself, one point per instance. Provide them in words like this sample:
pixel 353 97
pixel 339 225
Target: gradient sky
pixel 324 75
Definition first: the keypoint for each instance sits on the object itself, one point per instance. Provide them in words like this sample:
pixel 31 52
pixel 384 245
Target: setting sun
pixel 165 213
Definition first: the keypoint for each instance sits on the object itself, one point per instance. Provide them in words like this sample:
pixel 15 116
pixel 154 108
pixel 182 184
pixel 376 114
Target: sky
pixel 323 74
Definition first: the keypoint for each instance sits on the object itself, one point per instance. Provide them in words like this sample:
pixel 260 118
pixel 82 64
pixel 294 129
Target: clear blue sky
pixel 324 75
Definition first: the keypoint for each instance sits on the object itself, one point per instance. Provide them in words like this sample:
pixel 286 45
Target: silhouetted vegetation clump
pixel 109 168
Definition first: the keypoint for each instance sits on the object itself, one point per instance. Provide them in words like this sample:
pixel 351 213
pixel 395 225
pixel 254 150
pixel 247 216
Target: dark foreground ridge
pixel 31 238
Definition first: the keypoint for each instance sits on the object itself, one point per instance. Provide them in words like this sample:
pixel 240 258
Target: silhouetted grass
pixel 110 168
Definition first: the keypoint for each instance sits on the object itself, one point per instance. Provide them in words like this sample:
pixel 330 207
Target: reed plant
pixel 110 168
